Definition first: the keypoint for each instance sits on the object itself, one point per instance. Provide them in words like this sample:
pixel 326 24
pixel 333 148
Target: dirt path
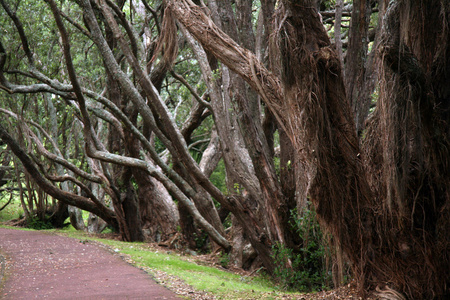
pixel 37 265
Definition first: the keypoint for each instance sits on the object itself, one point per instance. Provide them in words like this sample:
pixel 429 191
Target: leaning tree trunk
pixel 265 197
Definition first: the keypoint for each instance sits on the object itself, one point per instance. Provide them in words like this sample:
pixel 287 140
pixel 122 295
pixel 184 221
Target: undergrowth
pixel 39 224
pixel 307 270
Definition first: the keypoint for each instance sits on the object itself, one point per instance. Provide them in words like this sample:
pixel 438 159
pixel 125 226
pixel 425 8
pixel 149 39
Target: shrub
pixel 38 224
pixel 308 270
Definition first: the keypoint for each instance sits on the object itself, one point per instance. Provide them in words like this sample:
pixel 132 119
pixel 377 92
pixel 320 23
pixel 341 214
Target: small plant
pixel 201 241
pixel 237 188
pixel 38 224
pixel 306 270
pixel 224 260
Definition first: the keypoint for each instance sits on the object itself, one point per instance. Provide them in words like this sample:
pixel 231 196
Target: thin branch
pixel 128 28
pixel 20 30
pixel 7 203
pixel 154 14
pixel 198 143
pixel 332 13
pixel 337 31
pixel 78 26
pixel 190 88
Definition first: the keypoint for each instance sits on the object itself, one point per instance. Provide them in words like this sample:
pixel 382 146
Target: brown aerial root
pixel 168 40
pixel 386 293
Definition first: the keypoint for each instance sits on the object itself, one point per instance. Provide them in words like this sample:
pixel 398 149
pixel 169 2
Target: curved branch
pixel 71 199
pixel 78 26
pixel 83 187
pixel 53 157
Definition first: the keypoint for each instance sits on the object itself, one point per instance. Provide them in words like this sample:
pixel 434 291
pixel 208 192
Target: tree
pixel 150 84
pixel 114 181
pixel 308 99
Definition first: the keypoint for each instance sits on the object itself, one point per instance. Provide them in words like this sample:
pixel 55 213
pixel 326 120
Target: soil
pixel 39 265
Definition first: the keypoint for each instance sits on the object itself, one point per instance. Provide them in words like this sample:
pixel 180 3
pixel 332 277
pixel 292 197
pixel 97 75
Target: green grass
pixel 12 211
pixel 205 278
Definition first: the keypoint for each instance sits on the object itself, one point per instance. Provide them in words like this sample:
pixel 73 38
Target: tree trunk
pixel 159 215
pixel 62 210
pixel 356 67
pixel 60 214
pixel 408 149
pixel 271 208
pixel 132 214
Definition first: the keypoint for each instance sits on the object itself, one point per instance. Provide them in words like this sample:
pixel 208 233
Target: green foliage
pixel 307 271
pixel 224 260
pixel 218 177
pixel 216 74
pixel 12 211
pixel 237 188
pixel 38 224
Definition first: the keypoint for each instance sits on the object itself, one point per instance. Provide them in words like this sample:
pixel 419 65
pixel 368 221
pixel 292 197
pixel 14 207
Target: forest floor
pixel 43 265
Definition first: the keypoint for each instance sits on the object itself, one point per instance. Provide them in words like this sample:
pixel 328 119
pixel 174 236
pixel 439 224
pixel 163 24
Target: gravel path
pixel 38 265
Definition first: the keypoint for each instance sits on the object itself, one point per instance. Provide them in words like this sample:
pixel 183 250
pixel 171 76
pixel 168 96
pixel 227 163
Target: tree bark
pixel 407 149
pixel 356 67
pixel 324 95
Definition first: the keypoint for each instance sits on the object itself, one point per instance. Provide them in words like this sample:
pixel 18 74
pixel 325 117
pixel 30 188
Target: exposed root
pixel 386 293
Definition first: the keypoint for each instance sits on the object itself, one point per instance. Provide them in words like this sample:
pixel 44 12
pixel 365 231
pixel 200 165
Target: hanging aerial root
pixel 168 40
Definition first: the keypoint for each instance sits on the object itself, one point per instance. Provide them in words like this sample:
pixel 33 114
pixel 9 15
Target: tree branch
pixel 242 61
pixel 66 197
pixel 128 28
pixel 78 26
pixel 191 89
pixel 20 30
pixel 53 157
pixel 154 14
pixel 71 71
